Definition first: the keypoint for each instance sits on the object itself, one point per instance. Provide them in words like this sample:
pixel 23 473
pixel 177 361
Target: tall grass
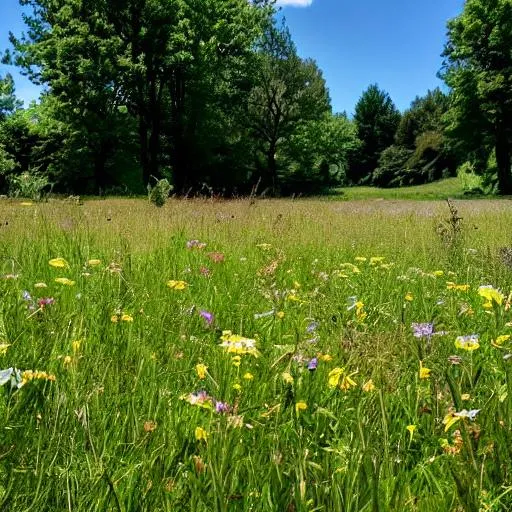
pixel 338 406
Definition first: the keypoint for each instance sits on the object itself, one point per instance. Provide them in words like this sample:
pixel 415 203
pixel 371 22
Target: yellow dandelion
pixel 177 285
pixel 248 376
pixel 58 263
pixel 237 387
pixel 200 434
pixel 424 373
pixel 300 406
pixel 280 314
pixel 201 370
pixel 64 281
pixel 125 317
pixel 409 297
pixel 287 377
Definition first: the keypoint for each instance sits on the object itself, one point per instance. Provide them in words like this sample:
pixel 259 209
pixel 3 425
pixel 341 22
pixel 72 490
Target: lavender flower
pixel 313 364
pixel 208 317
pixel 222 407
pixel 311 327
pixel 424 330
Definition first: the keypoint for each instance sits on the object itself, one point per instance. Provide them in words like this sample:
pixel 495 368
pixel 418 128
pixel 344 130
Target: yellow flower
pixel 238 345
pixel 360 259
pixel 126 318
pixel 3 348
pixel 411 429
pixel 58 263
pixel 409 297
pixel 177 285
pixel 468 343
pixel 368 386
pixel 201 434
pixel 491 295
pixel 65 281
pixel 236 361
pixel 280 315
pixel 94 262
pixel 347 382
pixel 237 387
pixel 300 406
pixel 376 259
pixel 26 203
pixel 501 339
pixel 457 287
pixel 449 420
pixel 75 345
pixel 114 319
pixel 201 370
pixel 424 373
pixel 287 377
pixel 40 285
pixel 325 358
pixel 335 376
pixel 296 285
pixel 248 376
pixel 465 397
pixel 67 360
pixel 438 273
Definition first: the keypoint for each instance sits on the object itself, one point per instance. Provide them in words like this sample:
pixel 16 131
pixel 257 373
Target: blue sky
pixel 395 43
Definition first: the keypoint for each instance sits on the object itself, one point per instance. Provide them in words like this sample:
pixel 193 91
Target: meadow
pixel 269 355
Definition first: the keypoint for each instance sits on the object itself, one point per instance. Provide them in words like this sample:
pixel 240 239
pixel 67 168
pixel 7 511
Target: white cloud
pixel 294 3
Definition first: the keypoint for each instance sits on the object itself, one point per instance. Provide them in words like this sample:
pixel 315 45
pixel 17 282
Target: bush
pixel 30 186
pixel 392 166
pixel 160 192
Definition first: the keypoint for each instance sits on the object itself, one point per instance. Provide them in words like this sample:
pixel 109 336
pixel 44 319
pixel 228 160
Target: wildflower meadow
pixel 255 356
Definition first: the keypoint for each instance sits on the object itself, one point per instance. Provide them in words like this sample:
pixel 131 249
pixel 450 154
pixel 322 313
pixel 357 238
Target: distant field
pixel 450 188
pixel 304 355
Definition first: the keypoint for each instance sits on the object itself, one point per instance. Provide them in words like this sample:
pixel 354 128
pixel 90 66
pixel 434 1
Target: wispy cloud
pixel 294 3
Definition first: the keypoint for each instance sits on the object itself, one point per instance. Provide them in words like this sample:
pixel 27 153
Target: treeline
pixel 212 95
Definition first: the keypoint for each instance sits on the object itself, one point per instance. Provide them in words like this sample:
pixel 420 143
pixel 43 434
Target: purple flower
pixel 313 364
pixel 195 244
pixel 45 301
pixel 222 407
pixel 425 330
pixel 208 317
pixel 311 327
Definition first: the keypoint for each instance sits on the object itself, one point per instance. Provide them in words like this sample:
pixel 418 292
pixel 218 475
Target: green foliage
pixel 477 69
pixel 393 167
pixel 377 119
pixel 27 185
pixel 8 101
pixel 159 194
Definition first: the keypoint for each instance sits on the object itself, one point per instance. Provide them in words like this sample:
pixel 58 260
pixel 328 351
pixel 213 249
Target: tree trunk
pixel 178 156
pixel 143 142
pixel 503 159
pixel 272 167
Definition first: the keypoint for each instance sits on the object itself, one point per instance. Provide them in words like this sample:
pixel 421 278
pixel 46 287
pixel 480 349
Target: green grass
pixel 450 188
pixel 113 424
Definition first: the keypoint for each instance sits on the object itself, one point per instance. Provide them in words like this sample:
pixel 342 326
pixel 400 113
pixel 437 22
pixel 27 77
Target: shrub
pixel 28 185
pixel 160 192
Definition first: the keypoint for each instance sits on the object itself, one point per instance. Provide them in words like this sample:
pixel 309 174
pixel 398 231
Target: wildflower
pixel 216 257
pixel 424 330
pixel 75 345
pixel 195 244
pixel 300 406
pixel 30 375
pixel 312 327
pixel 207 316
pixel 45 301
pixel 500 340
pixel 471 415
pixel 150 426
pixel 438 273
pixel 236 344
pixel 325 358
pixel 457 444
pixel 201 370
pixel 490 295
pixel 296 285
pixel 26 296
pixel 236 361
pixel 58 263
pixel 114 268
pixel 287 377
pixel 280 315
pixel 376 260
pixel 248 376
pixel 3 348
pixel 360 259
pixel 67 360
pixel 457 287
pixel 409 297
pixel 200 434
pixel 335 376
pixel 26 203
pixel 237 387
pixel 265 247
pixel 177 285
pixel 114 318
pixel 199 398
pixel 449 420
pixel 126 318
pixel 368 386
pixel 205 271
pixel 64 281
pixel 347 382
pixel 424 373
pixel 468 343
pixel 411 429
pixel 465 397
pixel 94 262
pixel 313 364
pixel 41 285
pixel 222 407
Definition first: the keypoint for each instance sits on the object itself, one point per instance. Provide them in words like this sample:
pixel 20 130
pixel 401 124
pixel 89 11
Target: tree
pixel 377 119
pixel 287 90
pixel 8 101
pixel 478 69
